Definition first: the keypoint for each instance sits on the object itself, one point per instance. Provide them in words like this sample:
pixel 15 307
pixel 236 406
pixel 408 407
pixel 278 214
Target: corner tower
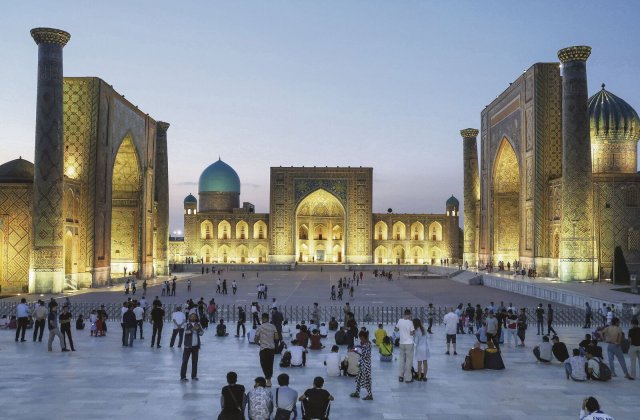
pixel 471 195
pixel 46 272
pixel 576 234
pixel 162 197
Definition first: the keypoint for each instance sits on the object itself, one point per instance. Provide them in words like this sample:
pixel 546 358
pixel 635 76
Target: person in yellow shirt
pixel 380 334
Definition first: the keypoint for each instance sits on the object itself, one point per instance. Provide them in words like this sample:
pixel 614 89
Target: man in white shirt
pixel 332 362
pixel 22 314
pixel 575 367
pixel 298 354
pixel 591 410
pixel 139 313
pixel 405 359
pixel 178 319
pixel 451 327
pixel 251 335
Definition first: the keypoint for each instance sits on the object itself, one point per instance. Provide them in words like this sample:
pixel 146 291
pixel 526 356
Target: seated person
pixel 593 367
pixel 332 362
pixel 316 401
pixel 481 334
pixel 475 358
pixel 286 329
pixel 386 349
pixel 324 331
pixel 586 342
pixel 576 367
pixel 80 323
pixel 13 322
pixel 221 329
pixel 303 336
pixel 4 322
pixel 380 334
pixel 333 324
pixel 350 363
pixel 251 335
pixel 340 337
pixel 543 351
pixel 316 344
pixel 395 337
pixel 312 325
pixel 492 357
pixel 594 348
pixel 298 354
pixel 559 349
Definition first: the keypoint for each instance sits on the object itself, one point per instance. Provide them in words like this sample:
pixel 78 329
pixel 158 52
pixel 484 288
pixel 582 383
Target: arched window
pixel 381 231
pixel 224 230
pixel 435 231
pixel 417 231
pixel 260 230
pixel 242 230
pixel 206 230
pixel 399 231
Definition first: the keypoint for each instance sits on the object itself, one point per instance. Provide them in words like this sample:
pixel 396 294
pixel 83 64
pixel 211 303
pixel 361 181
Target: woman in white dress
pixel 420 350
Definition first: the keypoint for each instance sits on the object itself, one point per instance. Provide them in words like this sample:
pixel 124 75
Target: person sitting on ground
pixel 386 349
pixel 593 367
pixel 324 331
pixel 591 410
pixel 492 357
pixel 232 399
pixel 586 342
pixel 340 337
pixel 13 323
pixel 312 325
pixel 4 322
pixel 333 324
pixel 475 358
pixel 80 323
pixel 286 330
pixel 286 399
pixel 259 400
pixel 316 344
pixel 481 334
pixel 594 348
pixel 559 349
pixel 543 351
pixel 332 362
pixel 380 334
pixel 350 365
pixel 298 354
pixel 221 329
pixel 315 401
pixel 395 337
pixel 576 367
pixel 303 336
pixel 251 335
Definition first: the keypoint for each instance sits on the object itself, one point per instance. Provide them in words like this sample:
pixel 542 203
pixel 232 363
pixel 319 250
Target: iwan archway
pixel 320 222
pixel 506 205
pixel 126 203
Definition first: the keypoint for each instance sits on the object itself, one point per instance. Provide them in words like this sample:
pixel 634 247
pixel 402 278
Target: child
pixel 93 320
pixel 286 329
pixel 323 330
pixel 332 362
pixel 251 335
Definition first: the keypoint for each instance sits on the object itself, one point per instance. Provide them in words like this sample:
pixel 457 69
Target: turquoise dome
pixel 452 201
pixel 17 170
pixel 190 199
pixel 611 118
pixel 219 177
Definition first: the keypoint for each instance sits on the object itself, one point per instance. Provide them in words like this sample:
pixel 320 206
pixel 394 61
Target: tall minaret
pixel 471 195
pixel 576 235
pixel 162 197
pixel 46 272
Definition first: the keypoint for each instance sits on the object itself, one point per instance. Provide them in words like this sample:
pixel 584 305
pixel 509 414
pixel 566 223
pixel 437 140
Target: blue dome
pixel 219 177
pixel 190 199
pixel 452 201
pixel 611 118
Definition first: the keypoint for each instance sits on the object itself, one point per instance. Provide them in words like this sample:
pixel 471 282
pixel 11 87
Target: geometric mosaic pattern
pixel 15 228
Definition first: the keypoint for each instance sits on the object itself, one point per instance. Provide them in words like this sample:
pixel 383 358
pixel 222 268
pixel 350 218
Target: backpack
pixel 281 346
pixel 605 372
pixel 285 361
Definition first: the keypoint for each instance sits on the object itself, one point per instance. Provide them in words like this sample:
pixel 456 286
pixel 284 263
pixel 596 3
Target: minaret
pixel 46 272
pixel 576 237
pixel 162 197
pixel 471 194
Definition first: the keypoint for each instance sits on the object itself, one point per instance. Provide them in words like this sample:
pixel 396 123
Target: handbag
pixel 281 413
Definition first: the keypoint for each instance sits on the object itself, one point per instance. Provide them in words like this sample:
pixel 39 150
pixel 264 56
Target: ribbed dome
pixel 452 201
pixel 190 199
pixel 17 170
pixel 611 118
pixel 219 177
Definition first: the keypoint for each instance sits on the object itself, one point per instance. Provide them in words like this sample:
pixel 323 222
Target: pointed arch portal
pixel 321 215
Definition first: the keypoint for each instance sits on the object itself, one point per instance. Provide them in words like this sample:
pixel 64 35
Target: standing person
pixel 540 319
pixel 234 287
pixel 259 401
pixel 346 309
pixel 420 350
pixel 363 379
pixel 492 330
pixel 173 286
pixel 266 336
pixel 157 319
pixel 129 324
pixel 224 286
pixel 40 315
pixel 431 314
pixel 522 325
pixel 126 287
pixel 512 328
pixel 405 360
pixel 65 326
pixel 550 320
pixel 178 319
pixel 277 319
pixel 212 309
pixel 144 286
pixel 103 317
pixel 22 314
pixel 254 314
pixel 587 316
pixel 286 399
pixel 192 334
pixel 451 325
pixel 634 347
pixel 139 312
pixel 54 330
pixel 242 318
pixel 189 286
pixel 315 313
pixel 133 286
pixel 232 399
pixel 613 336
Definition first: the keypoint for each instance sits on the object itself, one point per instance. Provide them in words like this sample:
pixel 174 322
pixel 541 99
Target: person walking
pixel 157 320
pixel 266 336
pixel 22 314
pixel 587 316
pixel 40 315
pixel 613 336
pixel 54 330
pixel 406 331
pixel 192 334
pixel 451 326
pixel 522 325
pixel 129 324
pixel 173 286
pixel 420 350
pixel 65 326
pixel 540 319
pixel 315 313
pixel 234 287
pixel 363 379
pixel 224 286
pixel 431 314
pixel 550 320
pixel 178 319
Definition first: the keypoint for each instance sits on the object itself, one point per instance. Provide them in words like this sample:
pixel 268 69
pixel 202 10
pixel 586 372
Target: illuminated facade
pixel 557 185
pixel 317 215
pixel 95 201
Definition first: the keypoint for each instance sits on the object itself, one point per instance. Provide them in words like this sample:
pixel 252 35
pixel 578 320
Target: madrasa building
pixel 95 202
pixel 557 185
pixel 317 216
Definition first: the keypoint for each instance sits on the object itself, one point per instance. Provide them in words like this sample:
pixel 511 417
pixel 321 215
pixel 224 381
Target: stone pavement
pixel 103 380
